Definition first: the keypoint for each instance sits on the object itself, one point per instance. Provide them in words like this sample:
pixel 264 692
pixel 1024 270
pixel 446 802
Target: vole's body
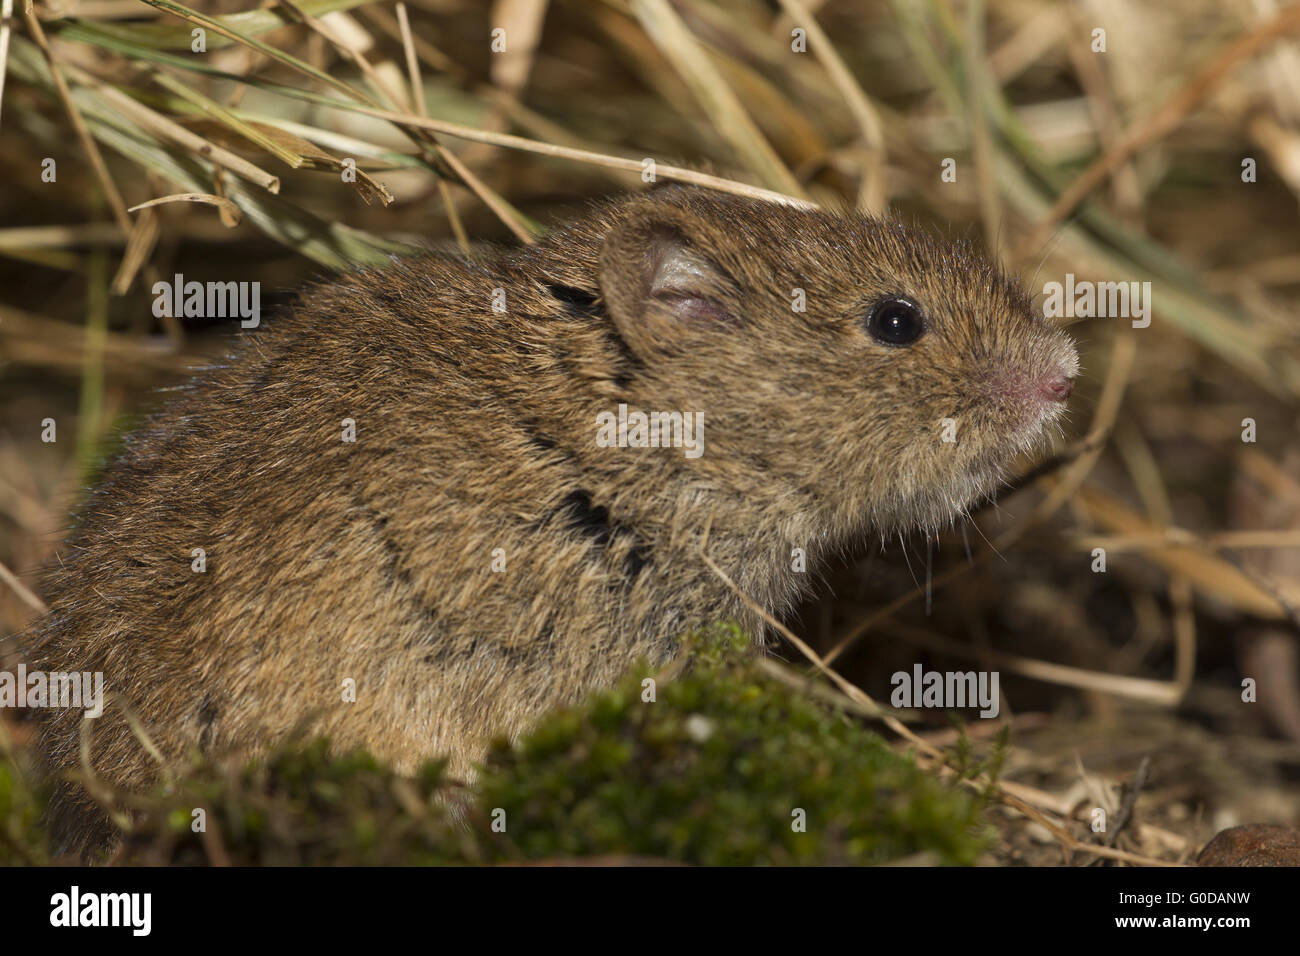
pixel 476 434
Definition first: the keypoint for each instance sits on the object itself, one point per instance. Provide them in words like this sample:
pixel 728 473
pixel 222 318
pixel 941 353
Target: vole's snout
pixel 1052 382
pixel 1056 388
pixel 1030 389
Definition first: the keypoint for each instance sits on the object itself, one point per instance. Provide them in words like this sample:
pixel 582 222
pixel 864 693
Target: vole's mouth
pixel 934 507
pixel 1027 435
pixel 1038 426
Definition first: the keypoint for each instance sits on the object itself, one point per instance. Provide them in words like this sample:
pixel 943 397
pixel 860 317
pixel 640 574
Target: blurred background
pixel 1116 141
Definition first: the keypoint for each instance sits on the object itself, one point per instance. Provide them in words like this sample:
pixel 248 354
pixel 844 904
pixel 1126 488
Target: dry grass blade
pixel 522 20
pixel 438 61
pixel 216 111
pixel 504 211
pixel 22 590
pixel 1166 537
pixel 40 340
pixel 136 256
pixel 350 53
pixel 978 80
pixel 676 173
pixel 208 198
pixel 333 244
pixel 114 197
pixel 874 194
pixel 6 18
pixel 412 60
pixel 274 53
pixel 82 233
pixel 1157 692
pixel 1211 575
pixel 417 100
pixel 308 156
pixel 1190 96
pixel 165 128
pixel 718 101
pixel 251 23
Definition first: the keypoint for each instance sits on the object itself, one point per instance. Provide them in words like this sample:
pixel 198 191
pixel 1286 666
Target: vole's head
pixel 844 364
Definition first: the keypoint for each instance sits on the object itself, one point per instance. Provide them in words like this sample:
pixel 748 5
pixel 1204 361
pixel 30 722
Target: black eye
pixel 896 321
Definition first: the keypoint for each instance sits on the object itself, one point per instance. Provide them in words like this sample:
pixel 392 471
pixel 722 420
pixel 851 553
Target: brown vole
pixel 477 556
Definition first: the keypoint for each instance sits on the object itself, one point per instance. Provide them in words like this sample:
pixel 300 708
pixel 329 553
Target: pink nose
pixel 1057 389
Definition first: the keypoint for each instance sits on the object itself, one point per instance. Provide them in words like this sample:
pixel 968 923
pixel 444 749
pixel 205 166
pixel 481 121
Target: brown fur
pixel 476 431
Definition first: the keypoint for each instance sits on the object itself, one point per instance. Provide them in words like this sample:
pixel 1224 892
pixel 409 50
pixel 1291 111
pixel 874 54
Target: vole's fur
pixel 476 431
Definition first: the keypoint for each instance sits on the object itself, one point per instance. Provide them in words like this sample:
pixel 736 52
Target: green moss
pixel 724 766
pixel 301 805
pixel 21 838
pixel 717 771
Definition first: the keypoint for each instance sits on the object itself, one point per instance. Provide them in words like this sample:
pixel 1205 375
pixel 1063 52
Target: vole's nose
pixel 1057 388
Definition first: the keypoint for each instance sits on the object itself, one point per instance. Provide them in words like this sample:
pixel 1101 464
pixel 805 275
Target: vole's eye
pixel 895 321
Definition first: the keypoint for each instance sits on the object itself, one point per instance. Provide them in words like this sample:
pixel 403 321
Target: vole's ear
pixel 659 284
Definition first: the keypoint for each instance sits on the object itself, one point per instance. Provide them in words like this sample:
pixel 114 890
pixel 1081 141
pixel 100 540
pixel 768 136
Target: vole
pixel 501 536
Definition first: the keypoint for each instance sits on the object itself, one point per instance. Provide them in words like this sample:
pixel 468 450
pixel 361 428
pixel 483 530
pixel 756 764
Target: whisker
pixel 992 547
pixel 929 564
pixel 908 560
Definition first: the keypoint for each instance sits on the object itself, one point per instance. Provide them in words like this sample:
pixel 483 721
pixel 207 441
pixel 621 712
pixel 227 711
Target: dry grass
pixel 1124 166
